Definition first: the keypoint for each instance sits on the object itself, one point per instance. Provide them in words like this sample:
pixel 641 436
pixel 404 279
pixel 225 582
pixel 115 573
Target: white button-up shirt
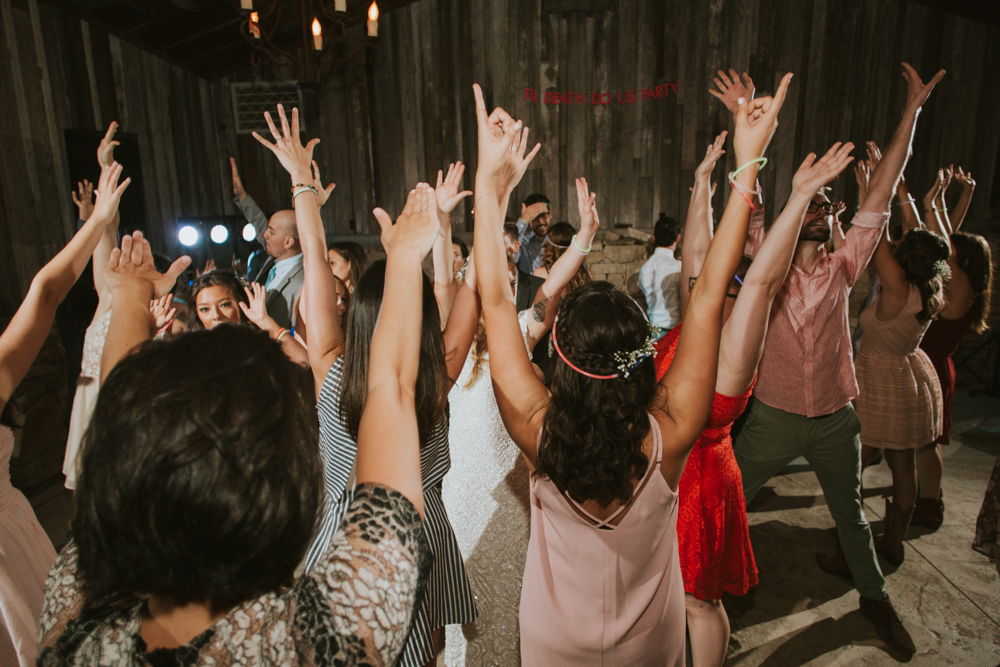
pixel 660 281
pixel 282 268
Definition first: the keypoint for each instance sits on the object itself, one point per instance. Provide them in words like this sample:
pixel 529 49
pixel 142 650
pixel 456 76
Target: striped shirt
pixel 448 597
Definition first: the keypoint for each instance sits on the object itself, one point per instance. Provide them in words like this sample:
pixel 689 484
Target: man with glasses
pixel 806 382
pixel 532 227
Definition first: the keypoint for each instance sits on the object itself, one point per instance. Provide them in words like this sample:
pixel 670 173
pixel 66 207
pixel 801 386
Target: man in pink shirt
pixel 806 376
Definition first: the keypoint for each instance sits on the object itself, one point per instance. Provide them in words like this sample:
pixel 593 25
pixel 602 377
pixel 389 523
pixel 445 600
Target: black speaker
pixel 81 156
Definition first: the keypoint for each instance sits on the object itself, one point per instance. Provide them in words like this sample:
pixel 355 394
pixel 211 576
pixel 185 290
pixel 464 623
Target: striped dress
pixel 448 597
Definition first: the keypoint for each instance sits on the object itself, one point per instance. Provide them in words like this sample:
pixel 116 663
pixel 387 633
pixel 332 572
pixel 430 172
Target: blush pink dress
pixel 597 594
pixel 26 555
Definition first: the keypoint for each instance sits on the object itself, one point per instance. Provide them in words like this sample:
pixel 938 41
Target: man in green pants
pixel 806 380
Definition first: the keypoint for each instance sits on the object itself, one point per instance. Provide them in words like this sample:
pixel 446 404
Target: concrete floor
pixel 947 594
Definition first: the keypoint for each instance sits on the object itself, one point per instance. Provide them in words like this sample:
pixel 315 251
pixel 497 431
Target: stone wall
pixel 617 257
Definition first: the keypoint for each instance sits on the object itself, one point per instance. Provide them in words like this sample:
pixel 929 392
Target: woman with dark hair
pixel 348 261
pixel 196 505
pixel 713 537
pixel 967 305
pixel 341 367
pixel 217 297
pixel 606 448
pixel 26 554
pixel 899 395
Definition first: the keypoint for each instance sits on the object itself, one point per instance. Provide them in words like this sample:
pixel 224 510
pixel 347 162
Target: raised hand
pixel 861 176
pixel 324 193
pixel 446 192
pixel 918 91
pixel 208 268
pixel 712 154
pixel 238 190
pixel 496 134
pixel 965 178
pixel 934 191
pixel 814 174
pixel 874 155
pixel 531 212
pixel 731 90
pixel 589 220
pixel 294 157
pixel 83 197
pixel 106 150
pixel 132 266
pixel 109 192
pixel 949 172
pixel 161 312
pixel 515 165
pixel 756 121
pixel 415 228
pixel 256 312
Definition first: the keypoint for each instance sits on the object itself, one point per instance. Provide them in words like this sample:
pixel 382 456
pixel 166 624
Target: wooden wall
pixel 395 117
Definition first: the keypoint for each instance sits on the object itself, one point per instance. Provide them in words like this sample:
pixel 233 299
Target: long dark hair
pixel 972 255
pixel 594 429
pixel 432 383
pixel 225 279
pixel 923 256
pixel 201 478
pixel 356 256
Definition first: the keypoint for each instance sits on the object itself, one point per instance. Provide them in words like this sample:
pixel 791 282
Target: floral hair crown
pixel 626 361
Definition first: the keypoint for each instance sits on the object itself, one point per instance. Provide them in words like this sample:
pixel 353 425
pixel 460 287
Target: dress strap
pixel 657 441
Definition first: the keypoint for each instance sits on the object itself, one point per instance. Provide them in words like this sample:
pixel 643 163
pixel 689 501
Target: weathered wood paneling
pixel 390 118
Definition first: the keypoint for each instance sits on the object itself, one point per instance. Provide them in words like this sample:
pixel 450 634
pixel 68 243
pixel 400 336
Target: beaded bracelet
pixel 303 188
pixel 305 185
pixel 578 248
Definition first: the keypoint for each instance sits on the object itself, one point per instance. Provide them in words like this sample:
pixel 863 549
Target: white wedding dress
pixel 487 498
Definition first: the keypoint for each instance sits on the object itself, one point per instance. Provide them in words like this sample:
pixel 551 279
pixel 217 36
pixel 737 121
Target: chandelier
pixel 326 37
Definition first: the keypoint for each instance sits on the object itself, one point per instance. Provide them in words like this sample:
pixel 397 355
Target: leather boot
pixel 929 512
pixel 835 564
pixel 897 524
pixel 888 624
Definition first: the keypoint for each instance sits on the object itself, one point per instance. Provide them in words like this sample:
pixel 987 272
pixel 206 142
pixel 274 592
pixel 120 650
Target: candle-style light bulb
pixel 254 28
pixel 373 20
pixel 317 30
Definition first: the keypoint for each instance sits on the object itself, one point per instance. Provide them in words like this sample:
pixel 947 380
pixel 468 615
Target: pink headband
pixel 569 363
pixel 627 361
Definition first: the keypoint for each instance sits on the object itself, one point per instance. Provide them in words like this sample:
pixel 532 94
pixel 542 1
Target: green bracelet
pixel 762 160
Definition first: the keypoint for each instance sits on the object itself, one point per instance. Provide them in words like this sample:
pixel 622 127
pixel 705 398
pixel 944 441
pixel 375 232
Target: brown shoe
pixel 897 524
pixel 929 512
pixel 888 624
pixel 835 564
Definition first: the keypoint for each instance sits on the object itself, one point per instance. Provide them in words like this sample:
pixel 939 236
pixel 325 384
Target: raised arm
pixel 388 437
pixel 326 339
pixel 698 226
pixel 886 175
pixel 515 164
pixel 462 323
pixel 447 196
pixel 962 207
pixel 543 311
pixel 256 312
pixel 521 396
pixel 933 219
pixel 684 397
pixel 743 334
pixel 28 329
pixel 134 282
pixel 109 240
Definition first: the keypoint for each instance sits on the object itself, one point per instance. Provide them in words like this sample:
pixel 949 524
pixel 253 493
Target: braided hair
pixel 923 255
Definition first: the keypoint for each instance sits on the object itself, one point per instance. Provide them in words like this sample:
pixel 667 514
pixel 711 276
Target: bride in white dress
pixel 486 490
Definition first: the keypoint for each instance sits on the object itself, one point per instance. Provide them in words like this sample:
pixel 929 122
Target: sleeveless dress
pixel 712 533
pixel 940 343
pixel 85 399
pixel 447 599
pixel 26 555
pixel 487 497
pixel 601 595
pixel 899 396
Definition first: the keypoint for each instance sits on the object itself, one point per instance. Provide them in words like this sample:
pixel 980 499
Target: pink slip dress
pixel 597 594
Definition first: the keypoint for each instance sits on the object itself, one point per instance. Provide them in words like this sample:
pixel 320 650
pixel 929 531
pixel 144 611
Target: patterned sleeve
pixel 860 242
pixel 63 598
pixel 354 607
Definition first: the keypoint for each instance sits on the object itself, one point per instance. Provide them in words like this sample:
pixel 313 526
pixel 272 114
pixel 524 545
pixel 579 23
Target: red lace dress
pixel 712 534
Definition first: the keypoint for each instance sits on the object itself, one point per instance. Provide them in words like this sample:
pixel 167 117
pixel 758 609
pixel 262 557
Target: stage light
pixel 219 234
pixel 188 235
pixel 249 232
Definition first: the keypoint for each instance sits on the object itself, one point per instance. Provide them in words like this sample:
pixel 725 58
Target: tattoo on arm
pixel 538 310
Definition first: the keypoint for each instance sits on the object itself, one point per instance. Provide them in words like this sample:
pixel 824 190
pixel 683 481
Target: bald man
pixel 281 275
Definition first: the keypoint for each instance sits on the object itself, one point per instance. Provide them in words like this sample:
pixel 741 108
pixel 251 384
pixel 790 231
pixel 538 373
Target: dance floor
pixel 947 594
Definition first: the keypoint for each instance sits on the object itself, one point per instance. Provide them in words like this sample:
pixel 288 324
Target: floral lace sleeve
pixel 362 591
